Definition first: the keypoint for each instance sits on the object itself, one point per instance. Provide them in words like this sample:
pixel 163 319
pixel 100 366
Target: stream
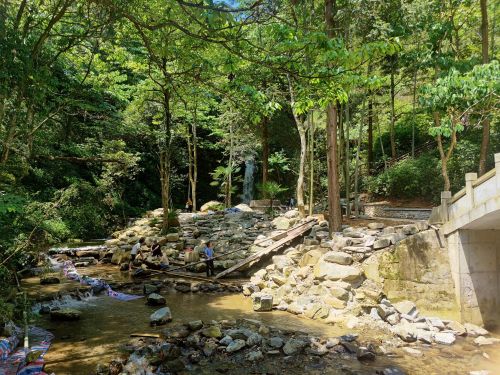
pixel 107 323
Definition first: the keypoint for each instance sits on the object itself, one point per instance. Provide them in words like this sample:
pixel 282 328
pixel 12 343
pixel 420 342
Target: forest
pixel 110 108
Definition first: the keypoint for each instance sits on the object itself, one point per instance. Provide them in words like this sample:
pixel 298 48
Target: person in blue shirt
pixel 209 255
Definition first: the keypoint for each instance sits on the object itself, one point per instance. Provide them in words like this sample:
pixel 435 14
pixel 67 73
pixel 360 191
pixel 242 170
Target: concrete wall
pixel 475 265
pixel 417 269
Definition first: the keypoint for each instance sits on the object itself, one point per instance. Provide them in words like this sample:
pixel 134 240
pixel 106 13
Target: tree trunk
pixel 370 133
pixel 413 113
pixel 486 122
pixel 165 149
pixel 347 162
pixel 11 132
pixel 357 166
pixel 392 130
pixel 301 128
pixel 302 166
pixel 230 163
pixel 165 187
pixel 310 118
pixel 370 124
pixel 445 156
pixel 265 150
pixel 334 213
pixel 193 159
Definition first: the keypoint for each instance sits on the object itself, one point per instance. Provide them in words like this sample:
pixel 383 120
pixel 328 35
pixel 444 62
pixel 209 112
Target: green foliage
pixel 408 179
pixel 271 189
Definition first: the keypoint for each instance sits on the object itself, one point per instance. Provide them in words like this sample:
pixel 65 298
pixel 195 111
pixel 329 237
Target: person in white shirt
pixel 136 249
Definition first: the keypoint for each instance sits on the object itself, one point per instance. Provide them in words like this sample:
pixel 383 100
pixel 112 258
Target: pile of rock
pixel 403 319
pixel 217 345
pixel 324 278
pixel 237 229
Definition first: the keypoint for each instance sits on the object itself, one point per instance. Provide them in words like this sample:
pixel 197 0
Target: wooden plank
pixel 291 235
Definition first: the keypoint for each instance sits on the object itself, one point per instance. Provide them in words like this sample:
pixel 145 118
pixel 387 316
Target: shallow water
pixel 107 323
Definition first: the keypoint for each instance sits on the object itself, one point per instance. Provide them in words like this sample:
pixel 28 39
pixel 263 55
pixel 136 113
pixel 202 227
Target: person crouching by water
pixel 156 249
pixel 209 254
pixel 136 249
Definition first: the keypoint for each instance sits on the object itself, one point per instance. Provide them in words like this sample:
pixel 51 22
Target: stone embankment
pixel 342 281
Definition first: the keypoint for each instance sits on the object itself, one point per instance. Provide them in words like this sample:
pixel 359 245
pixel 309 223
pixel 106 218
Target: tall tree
pixel 485 141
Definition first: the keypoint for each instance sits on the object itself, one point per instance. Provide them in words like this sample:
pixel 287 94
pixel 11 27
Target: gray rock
pixel 254 339
pixel 444 338
pixel 209 347
pixel 212 331
pixel 334 271
pixel 332 342
pixel 474 330
pixel 357 249
pixel 161 316
pixel 405 332
pixel 436 322
pixel 456 327
pixel 281 223
pixel 352 234
pixel 410 229
pixel 405 307
pixel 262 302
pixel 374 314
pixel 376 225
pixel 155 299
pixel 254 356
pixel 384 311
pixel 195 325
pixel 150 288
pixel 235 346
pixel 276 342
pixel 381 243
pixel 365 354
pixel 293 346
pixel 393 319
pixel 282 261
pixel 425 336
pixel 226 340
pixel 338 257
pixel 169 351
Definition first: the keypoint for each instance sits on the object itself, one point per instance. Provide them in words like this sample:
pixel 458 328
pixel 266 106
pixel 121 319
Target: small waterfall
pixel 247 195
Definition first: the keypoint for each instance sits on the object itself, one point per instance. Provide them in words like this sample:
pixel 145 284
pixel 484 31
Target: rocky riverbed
pixel 347 314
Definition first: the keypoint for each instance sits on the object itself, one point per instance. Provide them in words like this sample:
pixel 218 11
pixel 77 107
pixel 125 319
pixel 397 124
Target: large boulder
pixel 161 316
pixel 281 223
pixel 334 271
pixel 211 206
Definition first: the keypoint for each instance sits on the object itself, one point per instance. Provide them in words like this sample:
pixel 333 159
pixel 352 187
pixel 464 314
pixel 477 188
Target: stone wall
pixel 417 269
pixel 381 209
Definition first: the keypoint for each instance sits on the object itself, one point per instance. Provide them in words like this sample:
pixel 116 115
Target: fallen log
pixel 149 335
